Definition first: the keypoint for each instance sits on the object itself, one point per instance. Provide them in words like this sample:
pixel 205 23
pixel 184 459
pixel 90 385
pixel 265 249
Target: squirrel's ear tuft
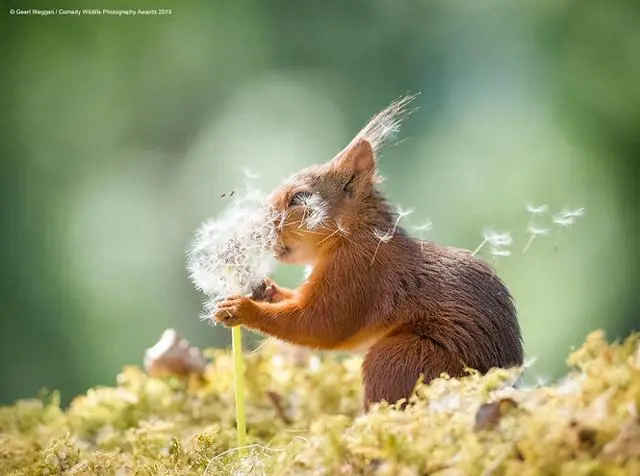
pixel 356 158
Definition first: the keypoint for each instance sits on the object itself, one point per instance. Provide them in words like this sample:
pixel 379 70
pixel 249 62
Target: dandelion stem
pixel 304 213
pixel 329 236
pixel 376 252
pixel 479 247
pixel 529 243
pixel 238 376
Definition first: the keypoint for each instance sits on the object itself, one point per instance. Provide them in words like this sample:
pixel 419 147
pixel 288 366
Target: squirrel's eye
pixel 299 198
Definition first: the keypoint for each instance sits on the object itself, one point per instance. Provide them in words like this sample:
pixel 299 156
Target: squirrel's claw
pixel 265 291
pixel 233 310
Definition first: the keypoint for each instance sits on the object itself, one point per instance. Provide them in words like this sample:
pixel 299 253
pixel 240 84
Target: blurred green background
pixel 121 133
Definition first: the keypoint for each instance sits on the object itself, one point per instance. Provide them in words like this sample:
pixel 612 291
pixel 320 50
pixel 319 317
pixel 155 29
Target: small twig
pixel 276 399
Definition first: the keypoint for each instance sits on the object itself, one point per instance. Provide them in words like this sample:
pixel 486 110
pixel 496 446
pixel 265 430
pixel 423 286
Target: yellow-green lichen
pixel 305 418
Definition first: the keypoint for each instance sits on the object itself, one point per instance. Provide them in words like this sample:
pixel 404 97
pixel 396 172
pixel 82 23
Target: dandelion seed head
pixel 534 230
pixel 537 210
pixel 231 254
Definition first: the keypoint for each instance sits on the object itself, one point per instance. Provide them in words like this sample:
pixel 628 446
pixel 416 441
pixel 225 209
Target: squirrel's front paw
pixel 234 310
pixel 266 291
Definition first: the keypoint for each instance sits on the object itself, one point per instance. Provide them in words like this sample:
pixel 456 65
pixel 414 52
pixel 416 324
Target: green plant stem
pixel 238 370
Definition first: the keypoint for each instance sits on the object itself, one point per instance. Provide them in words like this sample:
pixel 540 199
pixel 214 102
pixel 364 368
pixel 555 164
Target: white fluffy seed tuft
pixel 534 230
pixel 383 236
pixel 537 210
pixel 567 217
pixel 233 253
pixel 497 239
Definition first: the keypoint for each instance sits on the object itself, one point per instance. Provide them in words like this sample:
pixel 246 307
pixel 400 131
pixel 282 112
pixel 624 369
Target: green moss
pixel 306 418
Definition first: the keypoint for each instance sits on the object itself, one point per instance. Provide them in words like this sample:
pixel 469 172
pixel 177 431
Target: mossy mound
pixel 305 418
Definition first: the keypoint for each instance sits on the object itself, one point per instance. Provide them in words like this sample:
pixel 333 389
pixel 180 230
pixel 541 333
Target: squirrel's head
pixel 318 206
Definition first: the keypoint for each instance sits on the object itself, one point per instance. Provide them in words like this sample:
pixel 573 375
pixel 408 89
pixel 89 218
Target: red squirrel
pixel 419 309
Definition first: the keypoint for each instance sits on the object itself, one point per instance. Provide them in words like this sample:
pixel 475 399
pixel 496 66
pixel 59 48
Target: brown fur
pixel 418 307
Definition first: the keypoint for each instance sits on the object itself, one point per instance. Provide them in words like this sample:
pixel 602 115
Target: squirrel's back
pixel 440 293
pixel 473 311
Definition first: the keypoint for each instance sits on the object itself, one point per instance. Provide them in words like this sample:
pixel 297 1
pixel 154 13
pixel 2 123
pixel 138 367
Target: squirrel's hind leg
pixel 394 364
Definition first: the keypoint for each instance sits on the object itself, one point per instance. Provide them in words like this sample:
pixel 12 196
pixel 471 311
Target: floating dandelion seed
pixel 403 213
pixel 565 219
pixel 575 213
pixel 532 229
pixel 495 239
pixel 421 229
pixel 400 214
pixel 497 252
pixel 233 253
pixel 426 226
pixel 250 174
pixel 537 210
pixel 534 232
pixel 500 252
pixel 383 237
